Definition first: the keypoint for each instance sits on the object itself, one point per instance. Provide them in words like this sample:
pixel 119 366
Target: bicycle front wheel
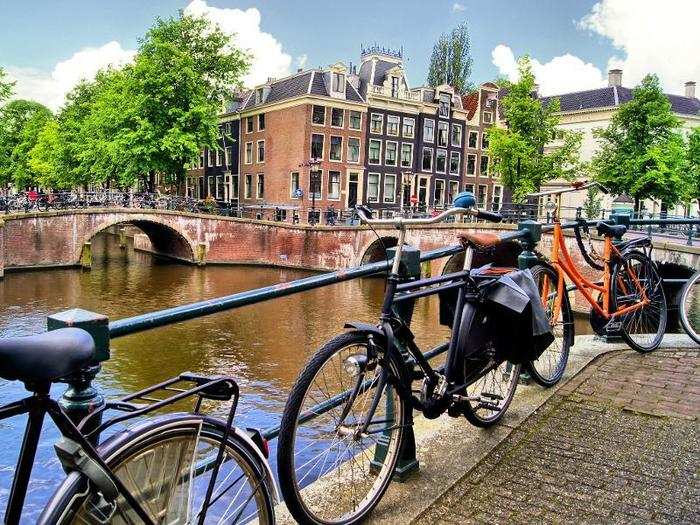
pixel 690 307
pixel 549 368
pixel 167 465
pixel 636 279
pixel 332 471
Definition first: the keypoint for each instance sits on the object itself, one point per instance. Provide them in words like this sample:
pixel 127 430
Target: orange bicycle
pixel 630 299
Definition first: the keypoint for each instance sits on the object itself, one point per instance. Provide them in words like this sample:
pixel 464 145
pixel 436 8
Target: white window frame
pixel 488 166
pixel 453 185
pixel 248 159
pixel 476 165
pixel 446 127
pixel 314 106
pixel 410 144
pixel 484 135
pixel 264 119
pixel 257 151
pixel 341 82
pixel 449 104
pixel 252 124
pixel 500 195
pixel 359 150
pixel 412 135
pixel 396 153
pixel 247 185
pixel 257 186
pixel 490 119
pixel 398 125
pixel 486 195
pixel 323 145
pixel 441 202
pixel 459 127
pixel 387 176
pixel 381 126
pixel 436 157
pixel 218 157
pixel 431 141
pixel 330 148
pixel 449 162
pixel 350 120
pixel 379 185
pixel 319 195
pixel 469 140
pixel 432 159
pixel 328 190
pixel 369 148
pixel 291 184
pixel 342 123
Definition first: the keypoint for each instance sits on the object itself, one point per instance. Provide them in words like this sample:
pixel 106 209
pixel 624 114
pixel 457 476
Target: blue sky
pixel 572 41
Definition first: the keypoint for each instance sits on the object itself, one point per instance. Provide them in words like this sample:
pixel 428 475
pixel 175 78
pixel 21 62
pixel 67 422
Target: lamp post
pixel 314 178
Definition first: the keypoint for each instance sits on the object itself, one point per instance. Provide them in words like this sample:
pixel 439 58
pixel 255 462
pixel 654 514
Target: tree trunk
pixel 152 181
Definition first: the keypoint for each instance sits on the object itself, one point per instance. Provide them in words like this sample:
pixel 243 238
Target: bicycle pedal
pixel 490 406
pixel 491 396
pixel 613 328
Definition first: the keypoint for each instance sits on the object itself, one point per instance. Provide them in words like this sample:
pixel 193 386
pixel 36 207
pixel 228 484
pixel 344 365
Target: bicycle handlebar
pixel 364 211
pixel 574 187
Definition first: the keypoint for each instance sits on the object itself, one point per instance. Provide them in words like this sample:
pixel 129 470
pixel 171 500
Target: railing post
pixel 81 397
pixel 528 257
pixel 622 219
pixel 407 462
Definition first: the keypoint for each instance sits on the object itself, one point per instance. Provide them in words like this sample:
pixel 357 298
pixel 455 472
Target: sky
pixel 47 46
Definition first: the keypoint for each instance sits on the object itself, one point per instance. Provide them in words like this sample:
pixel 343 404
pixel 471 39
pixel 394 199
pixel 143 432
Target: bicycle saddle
pixel 479 240
pixel 45 357
pixel 609 230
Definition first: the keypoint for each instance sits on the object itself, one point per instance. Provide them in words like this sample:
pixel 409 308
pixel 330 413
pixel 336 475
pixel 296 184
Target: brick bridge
pixel 57 239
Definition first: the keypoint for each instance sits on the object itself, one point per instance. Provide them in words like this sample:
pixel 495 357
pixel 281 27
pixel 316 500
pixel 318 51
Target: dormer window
pixel 444 105
pixel 394 87
pixel 338 84
pixel 259 96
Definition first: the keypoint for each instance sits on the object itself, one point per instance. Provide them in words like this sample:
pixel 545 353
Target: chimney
pixel 615 77
pixel 299 70
pixel 690 89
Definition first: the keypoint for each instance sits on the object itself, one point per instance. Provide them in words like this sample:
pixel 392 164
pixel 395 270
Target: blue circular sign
pixel 298 193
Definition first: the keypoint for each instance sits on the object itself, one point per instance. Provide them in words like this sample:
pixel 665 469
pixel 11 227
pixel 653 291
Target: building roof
pixel 613 96
pixel 470 102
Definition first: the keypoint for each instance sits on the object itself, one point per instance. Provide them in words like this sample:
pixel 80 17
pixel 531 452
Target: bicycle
pixel 355 391
pixel 690 307
pixel 172 468
pixel 630 303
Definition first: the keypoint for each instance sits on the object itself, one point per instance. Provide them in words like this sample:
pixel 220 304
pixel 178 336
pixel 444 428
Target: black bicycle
pixel 343 426
pixel 172 468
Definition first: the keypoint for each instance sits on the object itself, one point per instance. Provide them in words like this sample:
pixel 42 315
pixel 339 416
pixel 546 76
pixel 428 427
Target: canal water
pixel 263 346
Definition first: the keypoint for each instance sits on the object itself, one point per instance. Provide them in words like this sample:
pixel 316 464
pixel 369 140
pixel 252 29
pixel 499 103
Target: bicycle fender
pixel 241 433
pixel 366 327
pixel 567 304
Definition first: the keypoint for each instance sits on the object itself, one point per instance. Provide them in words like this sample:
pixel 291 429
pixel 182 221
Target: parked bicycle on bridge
pixel 347 417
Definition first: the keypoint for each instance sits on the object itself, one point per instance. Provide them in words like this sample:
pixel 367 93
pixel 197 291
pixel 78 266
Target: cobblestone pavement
pixel 619 443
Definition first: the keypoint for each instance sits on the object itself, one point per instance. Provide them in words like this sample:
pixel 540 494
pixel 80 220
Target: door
pixel 353 189
pixel 423 192
pixel 406 189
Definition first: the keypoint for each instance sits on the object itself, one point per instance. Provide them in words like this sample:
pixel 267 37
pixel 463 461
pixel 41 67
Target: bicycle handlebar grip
pixel 489 216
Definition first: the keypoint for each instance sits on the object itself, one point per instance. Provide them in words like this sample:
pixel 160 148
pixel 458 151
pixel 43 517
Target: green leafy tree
pixel 593 205
pixel 21 122
pixel 642 152
pixel 518 150
pixel 451 61
pixel 6 87
pixel 693 153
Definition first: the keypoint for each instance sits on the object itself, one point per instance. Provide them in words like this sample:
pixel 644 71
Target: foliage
pixel 6 87
pixel 693 153
pixel 593 205
pixel 518 150
pixel 451 61
pixel 642 152
pixel 21 122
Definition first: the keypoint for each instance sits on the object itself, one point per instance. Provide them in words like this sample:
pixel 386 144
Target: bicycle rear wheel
pixel 167 465
pixel 690 307
pixel 643 328
pixel 329 472
pixel 549 368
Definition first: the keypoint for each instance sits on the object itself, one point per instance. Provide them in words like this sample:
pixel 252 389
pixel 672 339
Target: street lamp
pixel 314 178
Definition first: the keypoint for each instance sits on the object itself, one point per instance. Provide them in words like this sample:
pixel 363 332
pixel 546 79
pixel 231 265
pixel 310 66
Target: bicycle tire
pixel 152 445
pixel 545 370
pixel 307 504
pixel 633 325
pixel 690 307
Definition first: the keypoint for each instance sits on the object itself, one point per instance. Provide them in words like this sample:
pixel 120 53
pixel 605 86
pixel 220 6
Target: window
pixel 201 160
pixel 484 165
pixel 228 155
pixel 390 153
pixel 392 125
pixel 488 117
pixel 259 96
pixel 211 158
pixel 439 193
pixel 469 188
pixel 373 187
pixel 248 186
pixel 443 132
pixel 334 185
pixel 409 127
pixel 471 164
pixel 444 105
pixel 484 140
pixel 353 149
pixel 406 155
pixel 394 87
pixel 355 120
pixel 315 181
pixel 318 115
pixel 454 162
pixel 261 151
pixel 249 125
pixel 337 116
pixel 316 146
pixel 218 157
pixel 248 153
pixel 376 123
pixel 441 161
pixel 261 121
pixel 389 188
pixel 456 135
pixel 338 82
pixel 453 190
pixel 473 139
pixel 497 197
pixel 336 152
pixel 429 131
pixel 375 151
pixel 294 184
pixel 261 186
pixel 427 164
pixel 481 196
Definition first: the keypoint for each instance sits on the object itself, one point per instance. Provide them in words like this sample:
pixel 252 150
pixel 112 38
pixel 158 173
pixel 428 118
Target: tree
pixel 6 87
pixel 693 154
pixel 518 150
pixel 451 61
pixel 593 205
pixel 642 152
pixel 21 121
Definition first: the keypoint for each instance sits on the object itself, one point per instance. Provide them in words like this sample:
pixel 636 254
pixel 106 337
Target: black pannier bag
pixel 511 318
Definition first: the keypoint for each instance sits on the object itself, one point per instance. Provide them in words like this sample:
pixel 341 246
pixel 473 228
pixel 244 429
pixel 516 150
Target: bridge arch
pixel 165 240
pixel 375 251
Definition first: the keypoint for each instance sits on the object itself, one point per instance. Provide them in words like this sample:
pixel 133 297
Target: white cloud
pixel 268 59
pixel 457 7
pixel 562 74
pixel 302 60
pixel 51 88
pixel 653 38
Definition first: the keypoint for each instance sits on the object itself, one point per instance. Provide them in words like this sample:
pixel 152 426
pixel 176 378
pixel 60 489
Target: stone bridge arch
pixel 375 249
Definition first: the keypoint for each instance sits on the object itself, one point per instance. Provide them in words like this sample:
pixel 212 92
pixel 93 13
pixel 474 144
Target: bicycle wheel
pixel 330 474
pixel 690 307
pixel 166 465
pixel 549 368
pixel 494 390
pixel 643 328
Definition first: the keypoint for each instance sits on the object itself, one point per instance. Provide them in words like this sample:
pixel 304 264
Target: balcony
pixel 386 92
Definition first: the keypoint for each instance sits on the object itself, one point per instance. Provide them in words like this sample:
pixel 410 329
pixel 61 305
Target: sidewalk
pixel 618 443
